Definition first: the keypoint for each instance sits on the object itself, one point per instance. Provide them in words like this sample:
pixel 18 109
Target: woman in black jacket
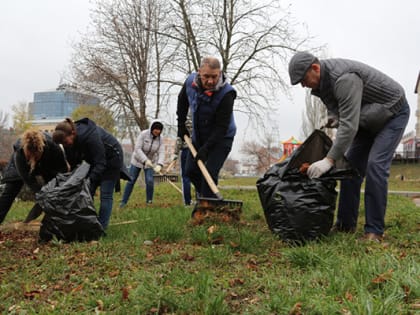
pixel 84 140
pixel 35 161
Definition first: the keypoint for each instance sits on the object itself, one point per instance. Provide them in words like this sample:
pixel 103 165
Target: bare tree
pixel 120 60
pixel 264 153
pixel 231 166
pixel 139 50
pixel 253 40
pixel 7 138
pixel 315 116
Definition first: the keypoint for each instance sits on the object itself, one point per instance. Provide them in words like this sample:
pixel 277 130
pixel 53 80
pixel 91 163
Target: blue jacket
pixel 203 106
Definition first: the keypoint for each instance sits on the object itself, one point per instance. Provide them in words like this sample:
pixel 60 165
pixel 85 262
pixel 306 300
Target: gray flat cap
pixel 298 65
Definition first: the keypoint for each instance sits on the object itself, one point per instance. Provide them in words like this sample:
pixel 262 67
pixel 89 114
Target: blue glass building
pixel 58 104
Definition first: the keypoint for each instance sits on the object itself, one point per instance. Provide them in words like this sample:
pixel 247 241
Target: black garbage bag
pixel 298 208
pixel 69 210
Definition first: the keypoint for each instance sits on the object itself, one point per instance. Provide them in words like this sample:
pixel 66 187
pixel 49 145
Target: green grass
pixel 229 269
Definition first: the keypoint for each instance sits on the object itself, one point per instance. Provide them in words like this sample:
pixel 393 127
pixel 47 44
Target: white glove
pixel 157 168
pixel 320 167
pixel 332 122
pixel 149 164
pixel 178 144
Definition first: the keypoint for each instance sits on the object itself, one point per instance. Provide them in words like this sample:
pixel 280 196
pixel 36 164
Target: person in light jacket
pixel 148 155
pixel 371 112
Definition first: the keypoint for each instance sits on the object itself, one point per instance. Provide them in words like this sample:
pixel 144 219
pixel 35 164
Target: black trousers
pixel 216 158
pixel 11 190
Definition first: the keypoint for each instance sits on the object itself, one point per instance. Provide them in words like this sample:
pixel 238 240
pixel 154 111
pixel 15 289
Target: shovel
pixel 231 207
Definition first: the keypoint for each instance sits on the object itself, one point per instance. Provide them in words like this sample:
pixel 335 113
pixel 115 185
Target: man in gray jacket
pixel 371 112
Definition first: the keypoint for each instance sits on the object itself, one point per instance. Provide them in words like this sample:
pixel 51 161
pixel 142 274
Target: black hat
pixel 299 65
pixel 156 125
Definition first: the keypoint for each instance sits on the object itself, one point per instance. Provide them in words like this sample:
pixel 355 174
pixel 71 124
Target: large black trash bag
pixel 296 207
pixel 69 210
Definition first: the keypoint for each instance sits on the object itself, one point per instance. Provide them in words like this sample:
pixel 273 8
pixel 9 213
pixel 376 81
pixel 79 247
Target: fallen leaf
pixel 212 229
pixel 100 305
pixel 383 277
pixel 31 294
pixel 125 293
pixel 187 257
pixel 114 273
pixel 349 296
pixel 235 282
pixel 296 309
pixel 78 288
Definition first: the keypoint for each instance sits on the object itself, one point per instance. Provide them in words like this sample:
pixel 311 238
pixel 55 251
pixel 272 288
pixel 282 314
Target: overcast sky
pixel 36 38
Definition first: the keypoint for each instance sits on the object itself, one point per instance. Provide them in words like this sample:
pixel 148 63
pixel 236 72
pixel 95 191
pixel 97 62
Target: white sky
pixel 36 38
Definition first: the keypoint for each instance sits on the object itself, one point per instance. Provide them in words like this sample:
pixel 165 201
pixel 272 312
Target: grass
pixel 213 268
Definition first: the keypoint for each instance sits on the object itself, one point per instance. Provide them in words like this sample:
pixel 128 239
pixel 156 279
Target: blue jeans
pixel 371 155
pixel 186 182
pixel 217 156
pixel 134 174
pixel 106 189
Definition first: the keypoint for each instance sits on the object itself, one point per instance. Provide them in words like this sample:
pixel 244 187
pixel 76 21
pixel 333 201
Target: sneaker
pixel 338 228
pixel 149 202
pixel 122 205
pixel 372 237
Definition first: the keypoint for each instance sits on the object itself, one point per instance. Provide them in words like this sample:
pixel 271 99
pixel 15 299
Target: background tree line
pixel 136 54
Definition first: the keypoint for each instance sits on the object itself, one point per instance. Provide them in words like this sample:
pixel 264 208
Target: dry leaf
pixel 349 296
pixel 296 309
pixel 383 277
pixel 212 229
pixel 125 293
pixel 100 305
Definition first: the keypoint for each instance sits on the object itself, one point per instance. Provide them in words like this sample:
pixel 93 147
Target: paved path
pixel 415 195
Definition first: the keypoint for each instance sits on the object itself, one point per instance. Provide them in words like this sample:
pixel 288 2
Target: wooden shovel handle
pixel 203 168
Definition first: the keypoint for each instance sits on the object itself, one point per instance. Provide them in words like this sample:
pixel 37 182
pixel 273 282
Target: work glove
pixel 149 164
pixel 332 122
pixel 320 167
pixel 157 168
pixel 202 154
pixel 178 145
pixel 182 130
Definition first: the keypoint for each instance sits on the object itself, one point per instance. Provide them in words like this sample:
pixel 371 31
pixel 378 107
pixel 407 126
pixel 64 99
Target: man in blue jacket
pixel 371 112
pixel 210 98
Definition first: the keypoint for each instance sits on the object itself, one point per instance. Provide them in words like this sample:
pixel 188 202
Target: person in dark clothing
pixel 84 140
pixel 35 161
pixel 371 112
pixel 209 98
pixel 181 153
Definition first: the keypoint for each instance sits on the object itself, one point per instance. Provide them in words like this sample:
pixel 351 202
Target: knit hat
pixel 299 65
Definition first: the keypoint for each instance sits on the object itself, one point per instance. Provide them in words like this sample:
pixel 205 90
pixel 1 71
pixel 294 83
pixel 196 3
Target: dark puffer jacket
pixel 52 162
pixel 98 148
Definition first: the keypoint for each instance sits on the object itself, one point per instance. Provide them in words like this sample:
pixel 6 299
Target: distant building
pixel 411 140
pixel 51 107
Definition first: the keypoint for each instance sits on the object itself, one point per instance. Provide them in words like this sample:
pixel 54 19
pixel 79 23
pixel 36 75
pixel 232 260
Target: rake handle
pixel 203 168
pixel 169 181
